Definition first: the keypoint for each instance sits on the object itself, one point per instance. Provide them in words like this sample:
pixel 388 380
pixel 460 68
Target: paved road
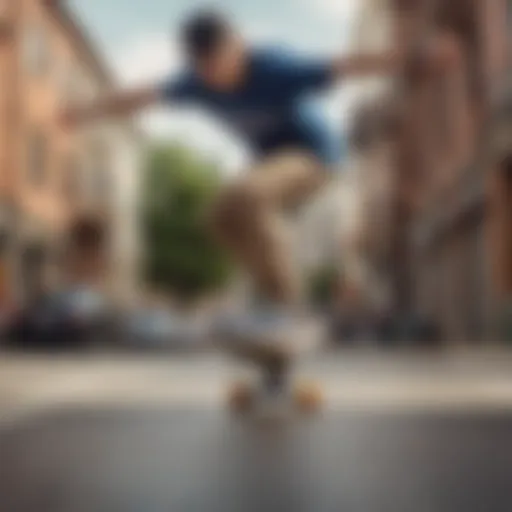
pixel 102 435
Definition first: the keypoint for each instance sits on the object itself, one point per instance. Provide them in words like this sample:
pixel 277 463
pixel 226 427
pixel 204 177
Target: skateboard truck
pixel 275 382
pixel 275 375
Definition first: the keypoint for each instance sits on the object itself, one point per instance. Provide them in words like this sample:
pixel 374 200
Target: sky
pixel 138 39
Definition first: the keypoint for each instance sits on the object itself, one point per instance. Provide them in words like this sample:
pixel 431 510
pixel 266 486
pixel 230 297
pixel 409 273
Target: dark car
pixel 68 318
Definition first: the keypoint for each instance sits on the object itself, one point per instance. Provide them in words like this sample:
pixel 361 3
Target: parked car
pixel 390 329
pixel 6 315
pixel 418 330
pixel 68 318
pixel 160 329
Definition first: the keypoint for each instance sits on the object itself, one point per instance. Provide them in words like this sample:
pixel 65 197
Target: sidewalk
pixel 367 381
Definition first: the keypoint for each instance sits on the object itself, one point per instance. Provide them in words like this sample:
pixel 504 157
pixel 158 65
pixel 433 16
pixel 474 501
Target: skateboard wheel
pixel 241 397
pixel 308 397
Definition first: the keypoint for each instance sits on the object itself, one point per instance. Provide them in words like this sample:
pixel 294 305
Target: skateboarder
pixel 259 92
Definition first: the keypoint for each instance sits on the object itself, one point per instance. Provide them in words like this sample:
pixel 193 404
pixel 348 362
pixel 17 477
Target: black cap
pixel 203 32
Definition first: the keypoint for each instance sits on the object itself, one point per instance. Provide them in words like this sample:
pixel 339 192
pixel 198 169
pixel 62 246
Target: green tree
pixel 181 257
pixel 322 284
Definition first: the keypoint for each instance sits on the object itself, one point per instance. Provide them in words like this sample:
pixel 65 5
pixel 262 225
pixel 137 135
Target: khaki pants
pixel 248 219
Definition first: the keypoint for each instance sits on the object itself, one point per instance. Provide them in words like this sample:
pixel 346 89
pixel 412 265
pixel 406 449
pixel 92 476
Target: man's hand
pixel 435 56
pixel 385 63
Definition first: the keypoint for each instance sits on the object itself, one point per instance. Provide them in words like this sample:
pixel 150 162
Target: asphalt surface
pixel 131 454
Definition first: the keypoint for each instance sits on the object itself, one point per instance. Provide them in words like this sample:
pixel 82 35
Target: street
pixel 400 432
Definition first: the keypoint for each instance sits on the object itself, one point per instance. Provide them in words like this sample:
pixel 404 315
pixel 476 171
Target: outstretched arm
pixel 370 64
pixel 431 58
pixel 114 105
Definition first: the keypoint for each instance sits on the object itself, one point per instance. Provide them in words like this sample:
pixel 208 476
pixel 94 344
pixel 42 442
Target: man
pixel 259 93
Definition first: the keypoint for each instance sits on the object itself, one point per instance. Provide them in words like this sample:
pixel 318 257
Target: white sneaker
pixel 272 328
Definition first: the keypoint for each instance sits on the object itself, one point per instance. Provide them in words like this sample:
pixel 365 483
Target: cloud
pixel 146 58
pixel 337 16
pixel 263 32
pixel 334 10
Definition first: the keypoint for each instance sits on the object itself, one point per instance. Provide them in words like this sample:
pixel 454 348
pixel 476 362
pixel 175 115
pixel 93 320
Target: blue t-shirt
pixel 269 110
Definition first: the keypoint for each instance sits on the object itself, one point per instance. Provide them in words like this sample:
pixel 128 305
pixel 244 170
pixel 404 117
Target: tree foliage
pixel 181 257
pixel 322 284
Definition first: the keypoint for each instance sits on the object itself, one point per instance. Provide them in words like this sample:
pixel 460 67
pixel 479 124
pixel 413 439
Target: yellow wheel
pixel 241 397
pixel 308 397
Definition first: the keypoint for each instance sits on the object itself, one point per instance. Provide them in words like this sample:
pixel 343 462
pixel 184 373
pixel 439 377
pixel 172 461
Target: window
pixel 37 158
pixel 36 50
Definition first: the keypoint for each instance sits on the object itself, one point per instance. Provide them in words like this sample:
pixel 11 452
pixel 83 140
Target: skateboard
pixel 275 388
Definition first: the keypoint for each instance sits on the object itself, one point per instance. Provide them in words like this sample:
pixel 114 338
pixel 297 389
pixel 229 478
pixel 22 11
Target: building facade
pixel 49 177
pixel 450 257
pixel 456 252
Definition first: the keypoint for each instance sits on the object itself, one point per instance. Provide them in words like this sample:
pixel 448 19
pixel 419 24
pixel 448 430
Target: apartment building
pixel 456 235
pixel 451 227
pixel 50 178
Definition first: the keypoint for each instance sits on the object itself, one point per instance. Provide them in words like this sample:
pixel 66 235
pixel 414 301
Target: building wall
pixel 49 176
pixel 449 214
pixel 126 251
pixel 495 25
pixel 9 129
pixel 453 263
pixel 458 205
pixel 42 50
